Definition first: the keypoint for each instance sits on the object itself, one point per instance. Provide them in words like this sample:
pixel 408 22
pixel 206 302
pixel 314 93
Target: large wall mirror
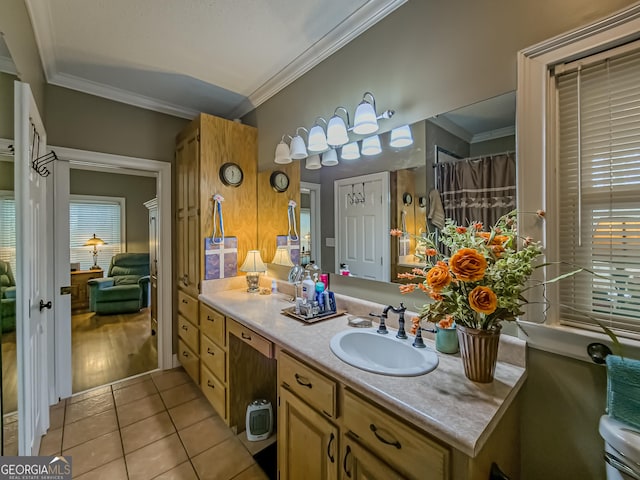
pixel 465 157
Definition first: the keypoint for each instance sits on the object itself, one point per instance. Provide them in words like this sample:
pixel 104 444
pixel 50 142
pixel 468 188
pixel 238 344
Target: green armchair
pixel 125 289
pixel 7 298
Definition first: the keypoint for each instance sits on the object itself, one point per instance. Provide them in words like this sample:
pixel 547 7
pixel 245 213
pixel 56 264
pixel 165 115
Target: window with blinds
pixel 8 230
pixel 99 216
pixel 599 189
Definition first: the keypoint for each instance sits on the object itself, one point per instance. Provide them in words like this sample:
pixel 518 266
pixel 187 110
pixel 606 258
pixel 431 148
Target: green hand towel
pixel 623 389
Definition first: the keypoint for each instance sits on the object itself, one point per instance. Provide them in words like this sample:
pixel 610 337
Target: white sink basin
pixel 385 354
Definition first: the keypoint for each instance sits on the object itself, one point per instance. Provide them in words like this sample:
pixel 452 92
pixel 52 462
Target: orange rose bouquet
pixel 482 282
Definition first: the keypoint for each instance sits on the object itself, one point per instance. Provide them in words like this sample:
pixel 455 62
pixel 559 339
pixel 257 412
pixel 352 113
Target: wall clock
pixel 407 199
pixel 231 174
pixel 279 181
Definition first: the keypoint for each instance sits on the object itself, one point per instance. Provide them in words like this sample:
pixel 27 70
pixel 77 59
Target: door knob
pixel 47 305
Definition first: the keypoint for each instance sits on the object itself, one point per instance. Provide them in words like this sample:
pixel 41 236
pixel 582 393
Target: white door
pixel 362 225
pixel 32 270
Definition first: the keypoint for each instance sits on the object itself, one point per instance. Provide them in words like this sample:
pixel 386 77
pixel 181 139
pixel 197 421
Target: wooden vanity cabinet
pixel 213 359
pixel 189 335
pixel 358 463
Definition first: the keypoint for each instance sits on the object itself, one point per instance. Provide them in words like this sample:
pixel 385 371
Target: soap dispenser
pixel 308 287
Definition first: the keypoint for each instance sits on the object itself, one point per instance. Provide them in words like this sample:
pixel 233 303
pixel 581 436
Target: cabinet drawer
pixel 214 391
pixel 188 333
pixel 261 344
pixel 393 441
pixel 213 357
pixel 212 324
pixel 189 361
pixel 313 387
pixel 188 307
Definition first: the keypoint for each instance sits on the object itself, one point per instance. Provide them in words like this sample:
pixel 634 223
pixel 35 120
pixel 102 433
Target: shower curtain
pixel 479 189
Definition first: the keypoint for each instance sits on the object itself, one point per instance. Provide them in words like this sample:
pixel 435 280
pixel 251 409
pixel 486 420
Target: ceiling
pixel 223 57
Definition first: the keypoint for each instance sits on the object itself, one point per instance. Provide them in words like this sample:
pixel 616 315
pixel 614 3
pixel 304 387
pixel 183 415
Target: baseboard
pixel 176 362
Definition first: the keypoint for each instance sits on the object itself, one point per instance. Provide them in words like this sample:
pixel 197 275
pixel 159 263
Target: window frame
pixel 536 146
pixel 102 199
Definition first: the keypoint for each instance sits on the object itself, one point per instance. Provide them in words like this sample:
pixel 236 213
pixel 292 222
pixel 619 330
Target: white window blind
pixel 102 218
pixel 8 230
pixel 599 192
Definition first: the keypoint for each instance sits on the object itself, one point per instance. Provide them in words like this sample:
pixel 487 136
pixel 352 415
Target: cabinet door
pixel 307 442
pixel 358 463
pixel 181 212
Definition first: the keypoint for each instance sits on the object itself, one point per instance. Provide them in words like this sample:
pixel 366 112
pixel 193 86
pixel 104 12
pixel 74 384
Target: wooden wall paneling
pixel 225 141
pixel 272 208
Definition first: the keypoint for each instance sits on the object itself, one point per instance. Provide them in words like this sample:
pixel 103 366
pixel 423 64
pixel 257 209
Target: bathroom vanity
pixel 337 421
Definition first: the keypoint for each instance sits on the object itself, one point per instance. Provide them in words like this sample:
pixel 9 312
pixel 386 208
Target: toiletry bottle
pixel 274 286
pixel 308 287
pixel 319 297
pixel 314 270
pixel 324 278
pixel 326 301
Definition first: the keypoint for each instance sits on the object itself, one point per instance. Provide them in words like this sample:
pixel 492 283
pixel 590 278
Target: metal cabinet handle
pixel 303 381
pixel 210 352
pixel 344 462
pixel 185 354
pixel 210 385
pixel 394 443
pixel 331 457
pixel 210 319
pixel 184 327
pixel 184 301
pixel 246 337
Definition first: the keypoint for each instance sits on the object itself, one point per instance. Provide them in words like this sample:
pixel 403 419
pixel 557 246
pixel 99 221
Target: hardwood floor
pixel 9 376
pixel 107 348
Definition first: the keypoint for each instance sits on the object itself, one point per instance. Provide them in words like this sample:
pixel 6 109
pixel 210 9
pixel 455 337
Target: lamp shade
pixel 313 162
pixel 282 153
pixel 282 257
pixel 337 132
pixel 317 139
pixel 253 262
pixel 329 158
pixel 401 137
pixel 365 120
pixel 95 241
pixel 298 150
pixel 350 151
pixel 371 145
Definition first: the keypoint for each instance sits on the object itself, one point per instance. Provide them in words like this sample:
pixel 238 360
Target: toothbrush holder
pixel 446 340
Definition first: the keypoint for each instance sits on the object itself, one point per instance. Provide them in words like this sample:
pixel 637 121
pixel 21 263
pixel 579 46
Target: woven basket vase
pixel 479 352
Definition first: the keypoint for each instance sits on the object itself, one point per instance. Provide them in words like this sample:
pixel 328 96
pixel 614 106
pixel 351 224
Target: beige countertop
pixel 443 403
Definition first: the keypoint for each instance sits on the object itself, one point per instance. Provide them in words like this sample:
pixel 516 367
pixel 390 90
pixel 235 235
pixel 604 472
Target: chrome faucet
pixel 400 311
pixel 382 328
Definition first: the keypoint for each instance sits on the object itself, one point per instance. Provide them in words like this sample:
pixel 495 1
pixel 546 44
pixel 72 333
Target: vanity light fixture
pixel 283 154
pixel 313 162
pixel 401 137
pixel 371 146
pixel 337 129
pixel 365 120
pixel 350 151
pixel 329 158
pixel 254 266
pixel 298 149
pixel 317 138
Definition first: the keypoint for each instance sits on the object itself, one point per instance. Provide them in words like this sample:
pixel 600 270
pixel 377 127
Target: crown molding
pixel 493 134
pixel 365 17
pixel 40 14
pixel 453 128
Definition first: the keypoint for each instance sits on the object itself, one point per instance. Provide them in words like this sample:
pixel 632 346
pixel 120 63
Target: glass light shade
pixel 365 120
pixel 330 158
pixel 313 162
pixel 282 257
pixel 371 146
pixel 298 150
pixel 317 139
pixel 350 151
pixel 401 137
pixel 94 241
pixel 253 262
pixel 337 132
pixel 282 153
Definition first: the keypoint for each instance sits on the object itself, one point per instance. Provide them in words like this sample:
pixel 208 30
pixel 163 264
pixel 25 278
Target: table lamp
pixel 253 265
pixel 282 257
pixel 94 242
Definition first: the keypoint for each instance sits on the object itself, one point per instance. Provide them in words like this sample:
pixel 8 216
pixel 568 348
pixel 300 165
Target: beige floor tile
pixel 252 473
pixel 170 378
pixel 180 394
pixel 139 410
pixel 204 434
pixel 89 428
pixel 134 392
pixel 114 470
pixel 86 408
pixel 130 381
pixel 56 417
pixel 191 412
pixel 51 443
pixel 156 458
pixel 223 461
pixel 146 431
pixel 183 471
pixel 89 394
pixel 95 453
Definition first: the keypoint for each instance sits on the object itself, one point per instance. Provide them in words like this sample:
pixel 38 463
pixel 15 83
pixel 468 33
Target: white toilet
pixel 622 449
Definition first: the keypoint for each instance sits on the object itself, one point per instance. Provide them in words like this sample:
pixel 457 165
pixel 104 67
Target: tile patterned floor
pixel 157 426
